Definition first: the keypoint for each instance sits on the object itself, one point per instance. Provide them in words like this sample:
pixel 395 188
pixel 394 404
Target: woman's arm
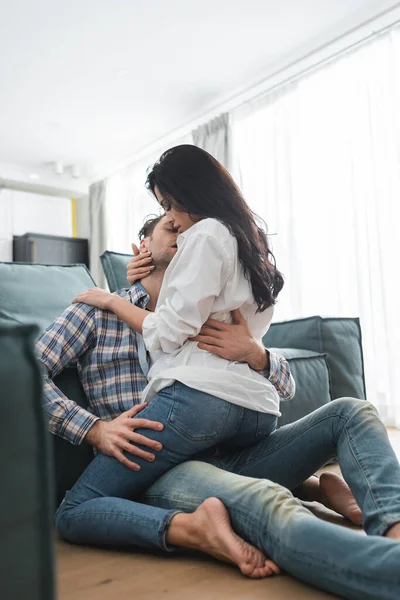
pixel 194 281
pixel 131 314
pixel 187 296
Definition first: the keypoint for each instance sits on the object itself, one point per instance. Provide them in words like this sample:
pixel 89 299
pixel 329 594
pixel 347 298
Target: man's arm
pixel 235 342
pixel 60 345
pixel 67 339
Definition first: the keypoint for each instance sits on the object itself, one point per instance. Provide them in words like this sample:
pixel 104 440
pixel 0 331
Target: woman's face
pixel 179 219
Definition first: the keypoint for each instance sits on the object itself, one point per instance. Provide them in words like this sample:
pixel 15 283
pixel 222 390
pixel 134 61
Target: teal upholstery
pixel 338 338
pixel 114 267
pixel 325 355
pixel 38 294
pixel 26 498
pixel 313 388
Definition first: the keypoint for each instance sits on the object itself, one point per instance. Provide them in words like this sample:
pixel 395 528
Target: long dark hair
pixel 196 183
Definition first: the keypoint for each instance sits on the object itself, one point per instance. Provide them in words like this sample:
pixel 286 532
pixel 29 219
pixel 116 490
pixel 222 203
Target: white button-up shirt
pixel 205 279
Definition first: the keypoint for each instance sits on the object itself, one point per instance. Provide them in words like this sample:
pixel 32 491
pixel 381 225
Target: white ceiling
pixel 94 81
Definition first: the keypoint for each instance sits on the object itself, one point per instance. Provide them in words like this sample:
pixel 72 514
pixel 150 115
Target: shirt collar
pixel 138 295
pixel 182 236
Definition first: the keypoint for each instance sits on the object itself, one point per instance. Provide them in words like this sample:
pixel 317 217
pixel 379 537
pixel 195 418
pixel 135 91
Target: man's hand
pixel 114 437
pixel 140 266
pixel 233 342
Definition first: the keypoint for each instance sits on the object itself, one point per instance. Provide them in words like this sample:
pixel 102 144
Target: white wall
pixel 82 217
pixel 24 212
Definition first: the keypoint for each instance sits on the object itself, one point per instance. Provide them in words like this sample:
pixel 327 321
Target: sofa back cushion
pixel 37 294
pixel 313 388
pixel 338 338
pixel 114 267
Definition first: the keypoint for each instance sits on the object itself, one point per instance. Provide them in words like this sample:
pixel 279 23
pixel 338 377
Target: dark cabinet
pixel 50 249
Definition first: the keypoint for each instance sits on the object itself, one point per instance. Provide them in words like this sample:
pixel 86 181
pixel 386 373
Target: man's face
pixel 162 243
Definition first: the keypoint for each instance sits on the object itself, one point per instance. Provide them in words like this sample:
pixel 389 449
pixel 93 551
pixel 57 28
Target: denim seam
pixel 183 433
pixel 275 542
pixel 163 530
pixel 286 443
pixel 366 475
pixel 362 468
pixel 316 559
pixel 310 561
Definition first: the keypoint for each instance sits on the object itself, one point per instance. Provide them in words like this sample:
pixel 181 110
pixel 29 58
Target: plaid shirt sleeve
pixel 280 376
pixel 59 346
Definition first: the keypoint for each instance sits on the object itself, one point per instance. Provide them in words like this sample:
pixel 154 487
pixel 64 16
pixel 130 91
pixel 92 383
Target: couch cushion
pixel 114 267
pixel 37 294
pixel 32 293
pixel 311 374
pixel 26 508
pixel 338 338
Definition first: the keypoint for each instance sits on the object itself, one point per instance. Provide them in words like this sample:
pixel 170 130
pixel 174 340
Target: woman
pixel 223 263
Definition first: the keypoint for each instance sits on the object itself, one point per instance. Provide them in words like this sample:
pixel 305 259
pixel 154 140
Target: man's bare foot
pixel 336 495
pixel 393 532
pixel 209 530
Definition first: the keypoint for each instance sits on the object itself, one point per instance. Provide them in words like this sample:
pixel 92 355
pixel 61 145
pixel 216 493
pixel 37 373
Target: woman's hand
pixel 139 267
pixel 95 297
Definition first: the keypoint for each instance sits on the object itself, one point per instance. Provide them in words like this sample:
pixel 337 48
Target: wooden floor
pixel 91 574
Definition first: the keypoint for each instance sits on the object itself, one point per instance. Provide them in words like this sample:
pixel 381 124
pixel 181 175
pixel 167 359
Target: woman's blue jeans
pixel 331 557
pixel 193 422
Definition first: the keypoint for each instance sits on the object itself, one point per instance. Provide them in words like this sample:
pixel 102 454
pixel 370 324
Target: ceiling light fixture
pixel 58 167
pixel 76 171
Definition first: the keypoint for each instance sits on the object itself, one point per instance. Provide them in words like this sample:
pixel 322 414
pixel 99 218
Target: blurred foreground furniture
pixel 26 499
pixel 38 294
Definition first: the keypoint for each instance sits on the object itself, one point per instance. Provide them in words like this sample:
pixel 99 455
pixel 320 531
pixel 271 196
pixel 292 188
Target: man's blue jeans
pixel 328 556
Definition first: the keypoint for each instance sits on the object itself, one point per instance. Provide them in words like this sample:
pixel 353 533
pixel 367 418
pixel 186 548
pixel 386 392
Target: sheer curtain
pixel 214 137
pixel 320 162
pixel 128 202
pixel 98 229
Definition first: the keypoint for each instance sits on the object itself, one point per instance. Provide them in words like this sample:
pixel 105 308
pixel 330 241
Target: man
pixel 262 512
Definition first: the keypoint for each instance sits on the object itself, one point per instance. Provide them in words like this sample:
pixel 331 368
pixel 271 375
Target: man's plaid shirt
pixel 105 352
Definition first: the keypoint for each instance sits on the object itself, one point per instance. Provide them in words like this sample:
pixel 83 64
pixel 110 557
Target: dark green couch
pixel 26 498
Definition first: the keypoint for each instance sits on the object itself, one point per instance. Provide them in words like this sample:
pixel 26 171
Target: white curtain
pixel 215 138
pixel 128 202
pixel 98 229
pixel 320 162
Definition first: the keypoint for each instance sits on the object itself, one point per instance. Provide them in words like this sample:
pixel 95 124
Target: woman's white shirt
pixel 205 279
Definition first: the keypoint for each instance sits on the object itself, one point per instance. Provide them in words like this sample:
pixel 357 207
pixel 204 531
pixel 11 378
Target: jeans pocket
pixel 266 424
pixel 196 415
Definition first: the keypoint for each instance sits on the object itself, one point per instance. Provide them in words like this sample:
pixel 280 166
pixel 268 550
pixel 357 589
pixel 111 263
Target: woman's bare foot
pixel 394 532
pixel 336 495
pixel 209 530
